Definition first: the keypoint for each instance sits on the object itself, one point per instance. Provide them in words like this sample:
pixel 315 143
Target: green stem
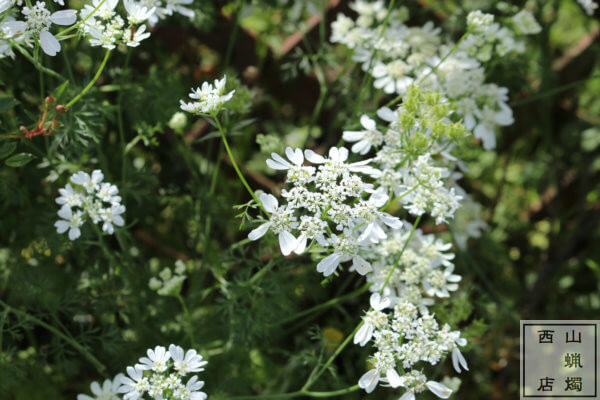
pixel 414 228
pixel 235 166
pixel 91 83
pixel 99 366
pixel 299 393
pixel 188 319
pixel 325 305
pixel 36 64
pixel 324 368
pixel 388 205
pixel 77 25
pixel 124 73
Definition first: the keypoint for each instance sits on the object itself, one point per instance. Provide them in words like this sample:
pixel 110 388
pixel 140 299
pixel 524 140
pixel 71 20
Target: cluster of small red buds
pixel 42 128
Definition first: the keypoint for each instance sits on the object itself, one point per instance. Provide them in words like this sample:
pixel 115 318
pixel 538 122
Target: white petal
pixel 259 232
pixel 393 378
pixel 269 202
pixel 49 43
pixel 11 28
pixel 363 335
pixel 353 136
pixel 361 266
pixel 369 380
pixel 438 389
pixel 386 114
pixel 367 123
pixel 274 164
pixel 361 147
pixel 313 157
pixel 287 242
pixel 407 396
pixel 327 265
pixel 61 226
pixel 301 244
pixel 280 160
pixel 64 17
pixel 294 155
pixel 74 233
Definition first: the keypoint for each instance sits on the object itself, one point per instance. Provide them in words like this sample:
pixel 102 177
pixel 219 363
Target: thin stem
pixel 36 63
pixel 340 348
pixel 235 166
pixel 188 319
pixel 325 305
pixel 414 228
pixel 233 37
pixel 367 77
pixel 103 245
pixel 120 114
pixel 299 393
pixel 77 25
pixel 91 83
pixel 97 364
pixel 388 205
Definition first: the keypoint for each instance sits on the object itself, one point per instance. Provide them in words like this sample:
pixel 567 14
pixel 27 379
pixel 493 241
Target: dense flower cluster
pixel 400 55
pixel 327 202
pixel 99 21
pixel 209 98
pixel 161 375
pixel 89 198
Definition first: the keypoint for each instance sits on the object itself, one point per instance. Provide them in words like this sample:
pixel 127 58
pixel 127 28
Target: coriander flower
pixel 297 173
pixel 156 361
pixel 345 249
pixel 137 13
pixel 365 139
pixel 161 376
pixel 108 391
pixel 135 385
pixel 209 98
pixel 458 360
pixel 186 362
pixel 88 197
pixel 39 19
pixel 69 221
pixel 372 320
pixel 281 222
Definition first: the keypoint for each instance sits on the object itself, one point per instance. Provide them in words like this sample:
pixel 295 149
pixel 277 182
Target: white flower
pixel 90 184
pixel 345 249
pixel 135 385
pixel 488 120
pixel 70 221
pixel 392 77
pixel 193 387
pixel 479 21
pixel 365 139
pixel 108 391
pixel 39 20
pixel 210 98
pixel 440 283
pixel 136 13
pixel 69 197
pixel 281 222
pixel 336 163
pixel 133 40
pixel 186 362
pixel 112 216
pixel 372 320
pixel 297 173
pixel 525 23
pixel 458 360
pixel 156 360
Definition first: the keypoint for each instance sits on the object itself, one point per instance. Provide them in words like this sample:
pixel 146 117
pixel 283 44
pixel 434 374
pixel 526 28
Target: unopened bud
pixel 60 109
pixel 50 100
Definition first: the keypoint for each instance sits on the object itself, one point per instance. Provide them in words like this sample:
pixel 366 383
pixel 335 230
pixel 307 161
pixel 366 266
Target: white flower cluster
pixel 158 376
pixel 108 29
pixel 209 98
pixel 89 198
pixel 37 23
pixel 404 337
pixel 99 21
pixel 402 55
pixel 329 203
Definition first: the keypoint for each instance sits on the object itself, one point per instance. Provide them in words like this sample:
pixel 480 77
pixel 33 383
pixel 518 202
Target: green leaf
pixel 6 149
pixel 18 160
pixel 7 103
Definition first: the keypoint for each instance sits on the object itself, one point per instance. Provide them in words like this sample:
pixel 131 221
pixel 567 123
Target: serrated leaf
pixel 6 149
pixel 18 160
